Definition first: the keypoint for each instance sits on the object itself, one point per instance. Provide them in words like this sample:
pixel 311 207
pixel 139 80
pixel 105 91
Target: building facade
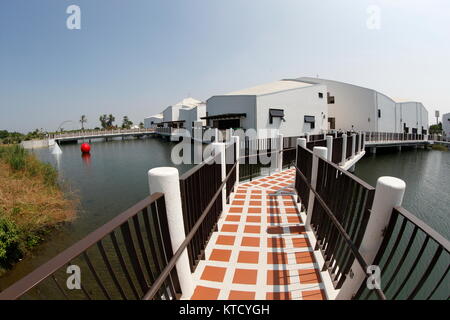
pixel 153 121
pixel 446 124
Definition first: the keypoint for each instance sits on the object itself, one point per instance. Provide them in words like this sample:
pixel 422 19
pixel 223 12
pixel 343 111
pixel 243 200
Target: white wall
pixel 148 122
pixel 446 124
pixel 354 107
pixel 424 117
pixel 234 104
pixel 409 115
pixel 191 115
pixel 296 103
pixel 387 106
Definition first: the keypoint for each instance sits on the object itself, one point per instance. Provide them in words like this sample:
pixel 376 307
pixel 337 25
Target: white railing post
pixel 344 148
pixel 307 137
pixel 353 145
pixel 388 194
pixel 236 141
pixel 330 148
pixel 322 153
pixel 219 147
pixel 280 152
pixel 302 143
pixel 167 181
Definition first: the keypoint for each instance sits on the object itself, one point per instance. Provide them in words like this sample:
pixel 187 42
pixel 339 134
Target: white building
pixel 183 113
pixel 294 107
pixel 153 121
pixel 352 107
pixel 446 124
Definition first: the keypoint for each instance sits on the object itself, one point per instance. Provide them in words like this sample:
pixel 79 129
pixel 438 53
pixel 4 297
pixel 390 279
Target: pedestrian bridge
pixel 99 134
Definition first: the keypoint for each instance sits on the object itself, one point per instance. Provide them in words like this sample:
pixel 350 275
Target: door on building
pixel 331 123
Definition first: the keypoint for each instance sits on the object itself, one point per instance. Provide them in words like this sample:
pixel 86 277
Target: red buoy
pixel 85 148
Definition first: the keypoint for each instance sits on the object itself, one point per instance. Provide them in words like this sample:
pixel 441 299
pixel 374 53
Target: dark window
pixel 379 113
pixel 330 99
pixel 320 95
pixel 332 122
pixel 311 120
pixel 275 113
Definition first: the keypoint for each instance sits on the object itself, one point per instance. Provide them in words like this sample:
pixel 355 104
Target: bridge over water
pixel 99 134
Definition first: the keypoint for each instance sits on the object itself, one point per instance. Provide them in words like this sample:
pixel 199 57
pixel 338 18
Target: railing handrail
pixel 341 230
pixel 440 240
pixel 183 246
pixel 47 269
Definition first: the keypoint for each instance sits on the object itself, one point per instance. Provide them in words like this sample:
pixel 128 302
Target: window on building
pixel 311 120
pixel 330 99
pixel 332 123
pixel 276 113
pixel 320 95
pixel 379 113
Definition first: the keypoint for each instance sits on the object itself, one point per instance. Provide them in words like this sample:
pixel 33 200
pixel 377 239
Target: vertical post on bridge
pixel 344 148
pixel 167 181
pixel 330 148
pixel 219 148
pixel 235 140
pixel 353 145
pixel 280 152
pixel 322 153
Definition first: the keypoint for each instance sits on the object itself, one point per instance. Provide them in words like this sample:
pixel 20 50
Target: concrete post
pixel 322 153
pixel 344 148
pixel 353 145
pixel 302 143
pixel 219 147
pixel 330 148
pixel 280 152
pixel 360 142
pixel 235 140
pixel 388 194
pixel 307 137
pixel 167 181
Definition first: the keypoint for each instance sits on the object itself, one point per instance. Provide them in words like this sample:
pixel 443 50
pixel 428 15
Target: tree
pixel 126 123
pixel 83 120
pixel 141 125
pixel 104 121
pixel 436 128
pixel 110 121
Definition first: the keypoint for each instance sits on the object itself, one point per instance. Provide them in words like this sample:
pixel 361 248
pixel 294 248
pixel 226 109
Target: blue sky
pixel 137 57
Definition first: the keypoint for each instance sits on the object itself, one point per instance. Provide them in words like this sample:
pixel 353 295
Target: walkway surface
pixel 261 250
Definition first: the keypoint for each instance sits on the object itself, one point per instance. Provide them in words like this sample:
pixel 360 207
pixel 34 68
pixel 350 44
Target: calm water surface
pixel 108 182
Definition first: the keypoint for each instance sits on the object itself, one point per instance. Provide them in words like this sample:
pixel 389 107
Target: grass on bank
pixel 439 147
pixel 31 203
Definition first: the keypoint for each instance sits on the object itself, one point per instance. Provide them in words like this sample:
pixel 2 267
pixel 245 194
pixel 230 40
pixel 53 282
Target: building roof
pixel 159 116
pixel 271 87
pixel 189 103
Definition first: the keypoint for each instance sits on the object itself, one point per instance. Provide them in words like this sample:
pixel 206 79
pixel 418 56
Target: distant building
pixel 153 121
pixel 294 107
pixel 446 124
pixel 352 107
pixel 183 113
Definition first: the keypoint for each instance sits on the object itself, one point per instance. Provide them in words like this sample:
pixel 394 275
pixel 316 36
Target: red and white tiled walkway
pixel 261 250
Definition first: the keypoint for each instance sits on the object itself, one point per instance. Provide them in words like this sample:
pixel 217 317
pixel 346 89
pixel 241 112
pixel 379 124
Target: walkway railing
pixel 92 133
pixel 392 136
pixel 414 260
pixel 120 260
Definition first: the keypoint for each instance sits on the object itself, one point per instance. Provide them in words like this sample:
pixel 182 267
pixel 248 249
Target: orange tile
pixel 278 296
pixel 297 229
pixel 220 255
pixel 253 219
pixel 275 243
pixel 252 229
pixel 309 276
pixel 273 210
pixel 240 196
pixel 256 191
pixel 275 230
pixel 277 277
pixel 291 210
pixel 241 295
pixel 255 203
pixel 233 218
pixel 248 257
pixel 254 210
pixel 294 219
pixel 211 273
pixel 205 293
pixel 289 203
pixel 245 276
pixel 225 240
pixel 287 197
pixel 272 203
pixel 235 210
pixel 300 243
pixel 276 258
pixel 255 197
pixel 229 228
pixel 241 191
pixel 250 242
pixel 313 295
pixel 238 203
pixel 273 219
pixel 304 257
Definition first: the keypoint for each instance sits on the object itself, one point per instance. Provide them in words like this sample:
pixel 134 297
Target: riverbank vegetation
pixel 31 203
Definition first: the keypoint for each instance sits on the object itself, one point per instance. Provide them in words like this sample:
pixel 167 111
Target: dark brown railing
pixel 230 158
pixel 336 157
pixel 338 222
pixel 198 186
pixel 289 156
pixel 414 261
pixel 349 150
pixel 316 143
pixel 120 260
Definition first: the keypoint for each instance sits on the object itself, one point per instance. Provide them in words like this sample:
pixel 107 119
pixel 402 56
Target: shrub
pixel 9 243
pixel 17 158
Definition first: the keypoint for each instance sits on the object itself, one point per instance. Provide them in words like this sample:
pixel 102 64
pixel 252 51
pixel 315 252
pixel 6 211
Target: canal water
pixel 108 182
pixel 114 178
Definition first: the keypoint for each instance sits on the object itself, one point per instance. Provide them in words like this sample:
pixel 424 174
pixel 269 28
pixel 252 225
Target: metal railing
pixel 392 136
pixel 414 261
pixel 337 222
pixel 92 133
pixel 120 260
